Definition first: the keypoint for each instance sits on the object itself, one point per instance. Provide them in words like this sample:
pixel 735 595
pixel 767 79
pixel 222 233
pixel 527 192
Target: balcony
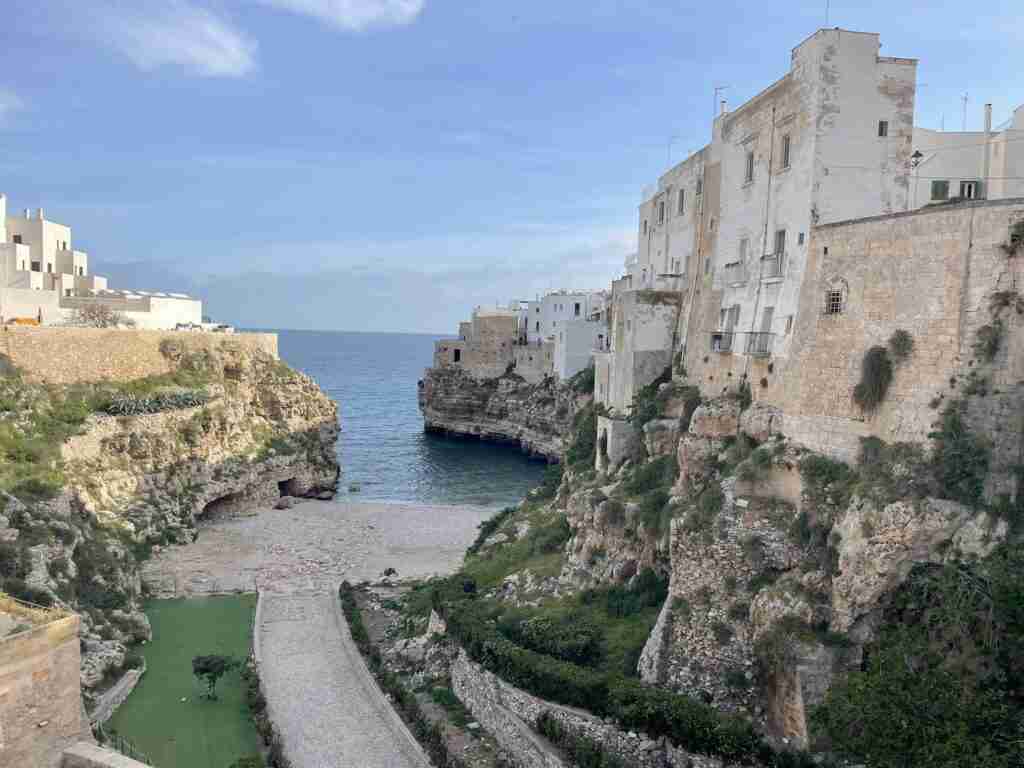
pixel 736 273
pixel 759 343
pixel 721 341
pixel 773 266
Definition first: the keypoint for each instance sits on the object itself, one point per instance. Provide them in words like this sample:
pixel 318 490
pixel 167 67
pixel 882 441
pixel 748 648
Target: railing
pixel 736 272
pixel 119 743
pixel 759 343
pixel 721 341
pixel 773 265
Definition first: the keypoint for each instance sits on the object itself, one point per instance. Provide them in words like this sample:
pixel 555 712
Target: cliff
pixel 100 475
pixel 536 417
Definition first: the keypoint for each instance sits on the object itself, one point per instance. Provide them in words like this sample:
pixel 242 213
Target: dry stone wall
pixel 509 715
pixel 74 355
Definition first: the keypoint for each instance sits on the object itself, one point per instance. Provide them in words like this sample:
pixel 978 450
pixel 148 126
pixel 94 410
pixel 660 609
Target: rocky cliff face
pixel 536 417
pixel 133 483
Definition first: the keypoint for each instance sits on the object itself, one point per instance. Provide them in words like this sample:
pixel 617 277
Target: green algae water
pixel 165 716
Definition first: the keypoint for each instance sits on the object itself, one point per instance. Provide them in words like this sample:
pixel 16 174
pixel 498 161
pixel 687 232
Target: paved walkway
pixel 329 710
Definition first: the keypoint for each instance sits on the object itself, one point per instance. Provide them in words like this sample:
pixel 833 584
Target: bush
pixel 901 345
pixel 875 378
pixel 960 459
pixel 988 340
pixel 651 475
pixel 646 405
pixel 574 638
pixel 583 381
pixel 583 751
pixel 129 404
pixel 548 487
pixel 545 539
pixel 584 442
pixel 488 527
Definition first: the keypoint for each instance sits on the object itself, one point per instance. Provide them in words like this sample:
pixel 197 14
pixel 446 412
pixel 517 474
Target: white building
pixel 43 278
pixel 831 140
pixel 546 315
pixel 971 165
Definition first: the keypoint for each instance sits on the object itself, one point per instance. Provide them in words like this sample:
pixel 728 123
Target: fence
pixel 115 741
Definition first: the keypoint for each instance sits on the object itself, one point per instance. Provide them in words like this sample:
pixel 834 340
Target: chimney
pixel 39 213
pixel 723 109
pixel 988 118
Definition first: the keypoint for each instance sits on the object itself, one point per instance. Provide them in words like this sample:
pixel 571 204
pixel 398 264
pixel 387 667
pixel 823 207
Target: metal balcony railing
pixel 773 265
pixel 759 343
pixel 721 341
pixel 736 273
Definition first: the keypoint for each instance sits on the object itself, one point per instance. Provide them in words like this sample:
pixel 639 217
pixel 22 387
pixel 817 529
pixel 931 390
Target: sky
pixel 387 165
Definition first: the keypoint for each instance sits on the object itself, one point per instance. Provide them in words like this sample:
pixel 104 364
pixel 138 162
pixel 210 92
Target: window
pixel 748 175
pixel 661 212
pixel 17 239
pixel 700 185
pixel 457 355
pixel 707 265
pixel 645 226
pixel 576 309
pixel 81 271
pixel 800 239
pixel 789 324
pixel 786 145
pixel 940 190
pixel 833 301
pixel 67 291
pixel 49 267
pixel 36 266
pixel 883 128
pixel 712 226
pixel 682 201
pixel 780 242
pixel 969 190
pixel 537 328
pixel 744 247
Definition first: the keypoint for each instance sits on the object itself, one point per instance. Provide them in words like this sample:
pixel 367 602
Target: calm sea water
pixel 383 447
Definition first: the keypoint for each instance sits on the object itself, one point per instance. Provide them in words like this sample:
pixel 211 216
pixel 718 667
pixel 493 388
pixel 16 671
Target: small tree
pixel 211 669
pixel 100 316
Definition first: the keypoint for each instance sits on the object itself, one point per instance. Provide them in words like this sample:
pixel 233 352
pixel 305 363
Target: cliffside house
pixel 44 278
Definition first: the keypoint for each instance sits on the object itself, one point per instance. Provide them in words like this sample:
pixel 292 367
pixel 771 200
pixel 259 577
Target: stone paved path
pixel 329 710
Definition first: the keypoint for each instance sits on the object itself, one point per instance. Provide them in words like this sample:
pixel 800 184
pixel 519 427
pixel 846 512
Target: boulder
pixel 286 502
pixel 716 418
pixel 761 421
pixel 878 547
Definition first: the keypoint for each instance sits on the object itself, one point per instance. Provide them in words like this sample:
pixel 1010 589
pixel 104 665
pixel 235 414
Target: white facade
pixel 575 344
pixel 953 165
pixel 545 316
pixel 829 141
pixel 42 277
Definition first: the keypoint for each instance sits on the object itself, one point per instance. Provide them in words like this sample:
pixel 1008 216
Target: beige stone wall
pixel 490 345
pixel 69 355
pixel 932 273
pixel 40 707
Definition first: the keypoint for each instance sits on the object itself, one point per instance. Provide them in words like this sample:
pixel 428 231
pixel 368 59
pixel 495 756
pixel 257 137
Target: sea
pixel 384 453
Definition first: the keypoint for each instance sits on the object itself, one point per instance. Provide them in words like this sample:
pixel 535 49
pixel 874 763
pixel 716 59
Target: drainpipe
pixel 986 162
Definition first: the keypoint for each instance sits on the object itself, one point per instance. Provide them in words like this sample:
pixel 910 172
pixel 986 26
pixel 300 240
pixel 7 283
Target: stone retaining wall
pixel 509 715
pixel 84 755
pixel 70 355
pixel 108 703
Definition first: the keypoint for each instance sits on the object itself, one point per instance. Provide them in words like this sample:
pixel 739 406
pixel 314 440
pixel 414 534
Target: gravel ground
pixel 330 712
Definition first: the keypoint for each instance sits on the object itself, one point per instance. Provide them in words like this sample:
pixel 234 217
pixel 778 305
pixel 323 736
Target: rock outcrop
pixel 135 483
pixel 536 417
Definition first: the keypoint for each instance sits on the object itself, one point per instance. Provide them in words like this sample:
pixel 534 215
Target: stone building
pixel 484 348
pixel 44 278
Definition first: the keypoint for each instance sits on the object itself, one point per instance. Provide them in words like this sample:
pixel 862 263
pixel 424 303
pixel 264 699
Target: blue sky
pixel 388 164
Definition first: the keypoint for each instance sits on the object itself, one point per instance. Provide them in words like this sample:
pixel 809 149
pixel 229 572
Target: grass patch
pixel 197 733
pixel 876 372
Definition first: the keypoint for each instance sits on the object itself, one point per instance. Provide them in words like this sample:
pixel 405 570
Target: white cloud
pixel 175 33
pixel 355 14
pixel 9 104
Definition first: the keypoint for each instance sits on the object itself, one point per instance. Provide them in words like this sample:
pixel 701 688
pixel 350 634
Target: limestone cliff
pixel 229 427
pixel 536 417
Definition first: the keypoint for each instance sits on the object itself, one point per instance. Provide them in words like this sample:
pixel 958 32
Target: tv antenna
pixel 714 106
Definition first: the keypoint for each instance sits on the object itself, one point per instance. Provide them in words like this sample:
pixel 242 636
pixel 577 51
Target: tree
pixel 211 669
pixel 100 316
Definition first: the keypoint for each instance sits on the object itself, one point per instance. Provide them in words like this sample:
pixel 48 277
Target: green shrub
pixel 723 632
pixel 651 475
pixel 544 539
pixel 549 485
pixel 875 378
pixel 901 345
pixel 488 528
pixel 584 442
pixel 583 381
pixel 988 340
pixel 960 459
pixel 583 751
pixel 646 405
pixel 574 638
